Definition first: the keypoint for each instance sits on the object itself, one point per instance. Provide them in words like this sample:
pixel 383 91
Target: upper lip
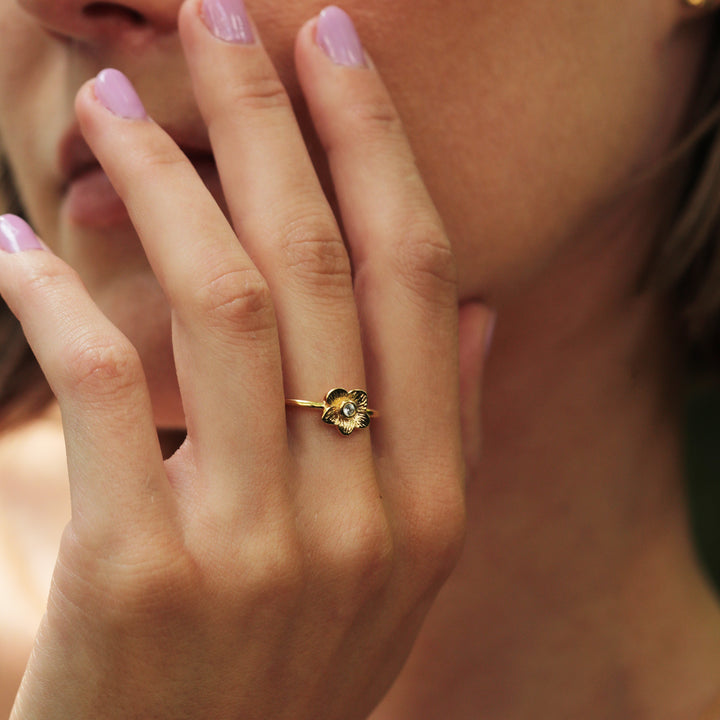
pixel 75 158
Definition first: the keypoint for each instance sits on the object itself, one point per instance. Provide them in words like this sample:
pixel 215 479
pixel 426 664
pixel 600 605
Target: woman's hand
pixel 272 568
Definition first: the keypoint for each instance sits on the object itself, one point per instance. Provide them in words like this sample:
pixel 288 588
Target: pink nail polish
pixel 16 235
pixel 116 93
pixel 336 35
pixel 228 20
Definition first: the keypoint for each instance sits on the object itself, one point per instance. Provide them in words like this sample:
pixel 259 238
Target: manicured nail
pixel 336 35
pixel 228 20
pixel 16 235
pixel 117 94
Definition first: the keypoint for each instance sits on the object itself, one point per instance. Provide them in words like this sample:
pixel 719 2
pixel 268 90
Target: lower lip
pixel 92 201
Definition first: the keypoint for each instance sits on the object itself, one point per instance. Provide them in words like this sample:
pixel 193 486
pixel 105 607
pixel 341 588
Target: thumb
pixel 475 332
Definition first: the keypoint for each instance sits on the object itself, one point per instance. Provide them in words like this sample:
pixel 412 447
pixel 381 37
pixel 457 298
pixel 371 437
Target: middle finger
pixel 277 205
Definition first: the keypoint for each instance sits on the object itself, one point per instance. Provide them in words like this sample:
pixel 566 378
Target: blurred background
pixel 703 463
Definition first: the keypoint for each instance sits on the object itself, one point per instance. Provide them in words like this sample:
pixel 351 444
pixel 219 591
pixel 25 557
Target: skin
pixel 529 126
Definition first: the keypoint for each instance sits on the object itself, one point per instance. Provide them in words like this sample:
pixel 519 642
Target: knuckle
pixel 424 263
pixel 373 556
pixel 163 156
pixel 259 91
pixel 273 573
pixel 125 585
pixel 48 281
pixel 146 587
pixel 102 366
pixel 436 541
pixel 312 250
pixel 449 540
pixel 93 361
pixel 373 119
pixel 260 566
pixel 361 557
pixel 238 299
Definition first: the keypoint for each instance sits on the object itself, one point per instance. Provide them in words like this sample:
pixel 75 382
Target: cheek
pixel 528 119
pixel 32 110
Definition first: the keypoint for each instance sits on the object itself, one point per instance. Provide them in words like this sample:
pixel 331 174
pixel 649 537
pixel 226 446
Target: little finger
pixel 117 477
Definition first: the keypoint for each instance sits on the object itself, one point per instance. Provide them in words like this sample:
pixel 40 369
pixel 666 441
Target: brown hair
pixel 686 264
pixel 23 389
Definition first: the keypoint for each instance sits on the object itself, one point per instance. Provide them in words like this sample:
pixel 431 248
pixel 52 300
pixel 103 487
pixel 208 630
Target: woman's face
pixel 528 119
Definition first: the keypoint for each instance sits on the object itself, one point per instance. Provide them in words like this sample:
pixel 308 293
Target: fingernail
pixel 117 94
pixel 228 20
pixel 16 235
pixel 336 35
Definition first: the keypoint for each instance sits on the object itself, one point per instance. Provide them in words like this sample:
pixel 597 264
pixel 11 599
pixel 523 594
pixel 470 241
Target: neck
pixel 578 594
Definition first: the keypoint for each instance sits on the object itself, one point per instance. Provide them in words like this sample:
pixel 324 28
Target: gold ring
pixel 347 410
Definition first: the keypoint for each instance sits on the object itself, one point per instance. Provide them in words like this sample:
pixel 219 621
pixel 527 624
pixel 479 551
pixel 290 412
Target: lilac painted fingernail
pixel 228 20
pixel 336 35
pixel 117 94
pixel 16 235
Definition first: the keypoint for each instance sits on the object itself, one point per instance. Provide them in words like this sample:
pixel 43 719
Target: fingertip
pixel 17 236
pixel 335 33
pixel 331 36
pixel 84 96
pixel 189 15
pixel 115 92
pixel 305 37
pixel 307 51
pixel 88 112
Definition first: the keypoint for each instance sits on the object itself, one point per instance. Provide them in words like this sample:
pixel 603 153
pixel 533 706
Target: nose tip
pixel 90 20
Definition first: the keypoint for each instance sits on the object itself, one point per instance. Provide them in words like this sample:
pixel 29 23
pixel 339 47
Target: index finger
pixel 117 476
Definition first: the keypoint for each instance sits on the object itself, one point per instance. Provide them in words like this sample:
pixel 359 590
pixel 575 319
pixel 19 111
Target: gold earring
pixel 697 4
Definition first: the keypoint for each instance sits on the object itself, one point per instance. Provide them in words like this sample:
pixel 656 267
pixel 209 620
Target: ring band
pixel 347 410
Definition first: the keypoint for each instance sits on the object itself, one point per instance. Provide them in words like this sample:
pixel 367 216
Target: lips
pixel 75 157
pixel 90 200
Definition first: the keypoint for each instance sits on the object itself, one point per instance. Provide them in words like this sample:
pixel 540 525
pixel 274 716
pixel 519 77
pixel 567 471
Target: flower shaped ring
pixel 346 409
